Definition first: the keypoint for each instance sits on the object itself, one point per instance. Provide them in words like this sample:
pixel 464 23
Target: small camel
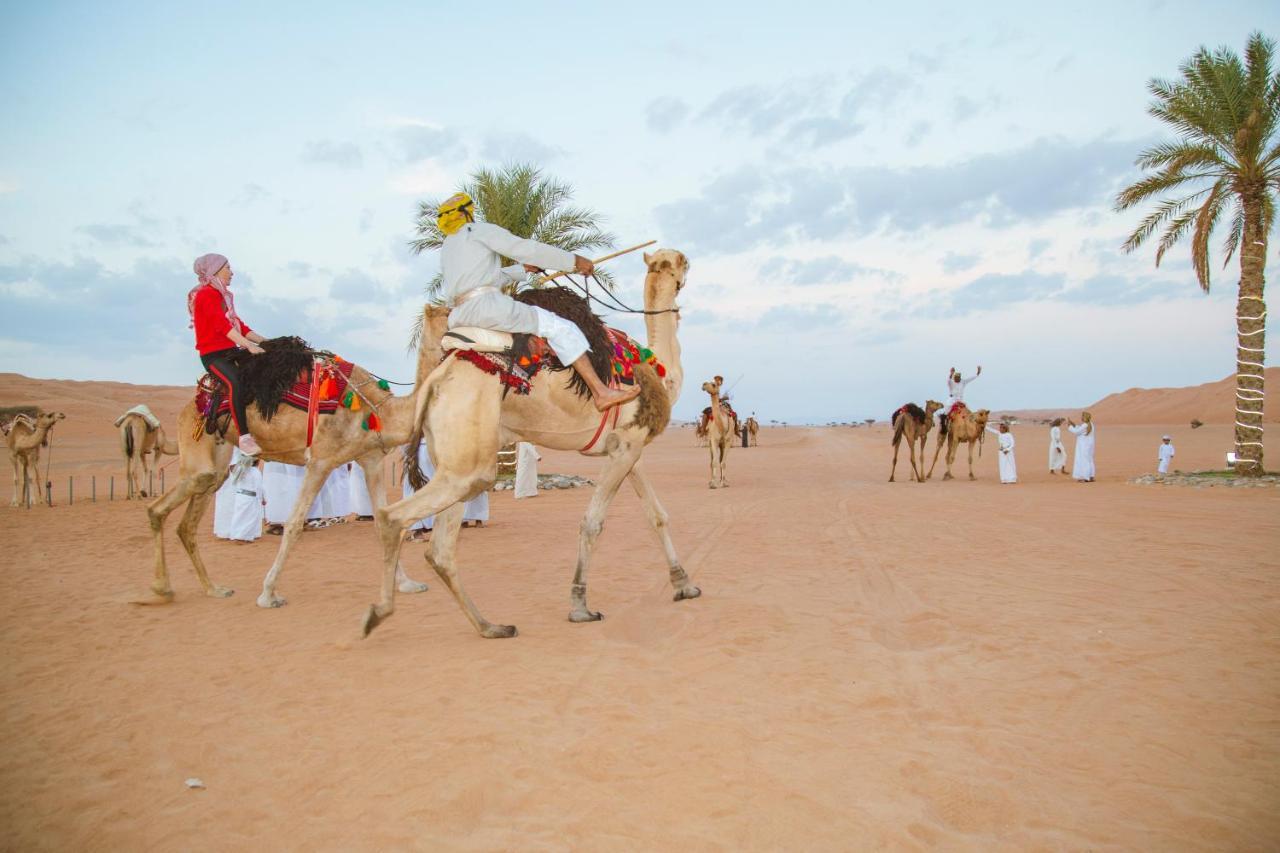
pixel 138 439
pixel 965 426
pixel 25 438
pixel 753 431
pixel 339 438
pixel 912 423
pixel 722 429
pixel 465 415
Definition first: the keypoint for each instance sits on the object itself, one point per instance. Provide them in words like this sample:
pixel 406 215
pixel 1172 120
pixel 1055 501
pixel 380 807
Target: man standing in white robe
pixel 224 501
pixel 1082 468
pixel 1057 452
pixel 1008 466
pixel 471 267
pixel 476 509
pixel 1166 454
pixel 334 500
pixel 358 495
pixel 526 470
pixel 282 484
pixel 246 523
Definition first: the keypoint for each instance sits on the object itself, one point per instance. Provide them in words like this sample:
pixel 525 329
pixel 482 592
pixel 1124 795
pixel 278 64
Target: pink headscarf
pixel 206 268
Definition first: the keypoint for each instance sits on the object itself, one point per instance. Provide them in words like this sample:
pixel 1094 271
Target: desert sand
pixel 958 665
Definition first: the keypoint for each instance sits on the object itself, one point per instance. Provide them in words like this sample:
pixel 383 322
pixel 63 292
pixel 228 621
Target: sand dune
pixel 1211 403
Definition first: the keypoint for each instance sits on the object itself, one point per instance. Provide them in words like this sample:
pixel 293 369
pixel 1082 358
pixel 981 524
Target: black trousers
pixel 219 364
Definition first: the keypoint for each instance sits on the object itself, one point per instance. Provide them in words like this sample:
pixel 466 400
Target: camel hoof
pixel 372 620
pixel 971 477
pixel 159 597
pixel 711 484
pixel 499 632
pixel 585 616
pixel 411 586
pixel 687 592
pixel 947 477
pixel 220 592
pixel 269 601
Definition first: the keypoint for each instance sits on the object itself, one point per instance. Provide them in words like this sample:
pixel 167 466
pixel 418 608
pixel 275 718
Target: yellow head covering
pixel 454 212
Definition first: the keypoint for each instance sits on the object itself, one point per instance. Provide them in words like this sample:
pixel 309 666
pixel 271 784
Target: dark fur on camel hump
pixel 575 309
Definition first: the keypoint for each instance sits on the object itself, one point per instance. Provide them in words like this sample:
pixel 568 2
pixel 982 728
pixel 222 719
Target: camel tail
pixel 412 470
pixel 899 426
pixel 127 435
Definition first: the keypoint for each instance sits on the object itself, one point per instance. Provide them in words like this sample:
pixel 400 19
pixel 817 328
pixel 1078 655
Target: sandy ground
pixel 962 665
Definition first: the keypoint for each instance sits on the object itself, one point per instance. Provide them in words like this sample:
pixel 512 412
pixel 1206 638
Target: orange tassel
pixel 355 404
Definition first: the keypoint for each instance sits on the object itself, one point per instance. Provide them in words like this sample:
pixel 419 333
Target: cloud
pixel 799 317
pixel 365 220
pixel 251 193
pixel 117 235
pixel 517 147
pixel 953 262
pixel 4 241
pixel 762 205
pixel 344 155
pixel 422 142
pixel 8 186
pixel 1121 290
pixel 1036 247
pixel 354 287
pixel 824 270
pixel 665 114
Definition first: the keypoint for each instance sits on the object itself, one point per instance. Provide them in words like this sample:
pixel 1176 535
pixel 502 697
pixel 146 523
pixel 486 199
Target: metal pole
pixel 71 491
pixel 93 488
pixel 151 482
pixel 111 488
pixel 162 481
pixel 48 492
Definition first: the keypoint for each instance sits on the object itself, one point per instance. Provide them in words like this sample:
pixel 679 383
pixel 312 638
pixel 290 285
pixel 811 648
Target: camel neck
pixel 661 332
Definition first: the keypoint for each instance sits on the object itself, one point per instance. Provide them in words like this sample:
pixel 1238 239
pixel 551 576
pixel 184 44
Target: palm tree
pixel 1226 159
pixel 520 199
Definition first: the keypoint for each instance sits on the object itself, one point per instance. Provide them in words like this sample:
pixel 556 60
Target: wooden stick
pixel 538 282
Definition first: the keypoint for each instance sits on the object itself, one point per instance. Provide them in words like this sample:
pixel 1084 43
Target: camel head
pixel 667 271
pixel 931 406
pixel 711 388
pixel 46 420
pixel 980 418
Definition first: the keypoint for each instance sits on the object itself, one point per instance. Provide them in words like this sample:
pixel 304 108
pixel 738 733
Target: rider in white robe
pixel 1057 452
pixel 1082 468
pixel 1008 466
pixel 955 391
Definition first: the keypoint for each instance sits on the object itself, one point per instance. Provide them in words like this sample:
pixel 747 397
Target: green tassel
pixel 384 385
pixel 364 424
pixel 346 399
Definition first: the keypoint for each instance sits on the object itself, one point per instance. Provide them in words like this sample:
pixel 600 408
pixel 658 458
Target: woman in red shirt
pixel 219 333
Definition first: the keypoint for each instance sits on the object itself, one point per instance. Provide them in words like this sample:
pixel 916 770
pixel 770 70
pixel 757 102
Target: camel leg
pixel 312 483
pixel 951 456
pixel 658 520
pixel 371 465
pixel 971 477
pixel 33 472
pixel 204 486
pixel 157 512
pixel 711 448
pixel 893 472
pixel 17 494
pixel 724 463
pixel 937 448
pixel 145 477
pixel 621 463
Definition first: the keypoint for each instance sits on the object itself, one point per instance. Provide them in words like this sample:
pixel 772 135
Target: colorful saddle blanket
pixel 335 374
pixel 706 415
pixel 516 367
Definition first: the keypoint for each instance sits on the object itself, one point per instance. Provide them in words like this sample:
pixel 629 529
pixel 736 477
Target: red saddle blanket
pixel 333 385
pixel 957 407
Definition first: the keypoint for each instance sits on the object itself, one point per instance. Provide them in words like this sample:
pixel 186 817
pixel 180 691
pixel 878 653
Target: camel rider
pixel 471 265
pixel 955 391
pixel 219 333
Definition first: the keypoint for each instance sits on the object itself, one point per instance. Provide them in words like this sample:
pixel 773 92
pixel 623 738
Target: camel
pixel 965 426
pixel 722 429
pixel 339 439
pixel 465 416
pixel 25 438
pixel 753 431
pixel 138 439
pixel 913 423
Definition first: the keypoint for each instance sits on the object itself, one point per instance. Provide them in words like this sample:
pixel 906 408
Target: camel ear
pixel 648 259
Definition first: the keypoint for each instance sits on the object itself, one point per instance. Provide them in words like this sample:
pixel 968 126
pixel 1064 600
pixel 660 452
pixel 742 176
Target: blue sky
pixel 868 195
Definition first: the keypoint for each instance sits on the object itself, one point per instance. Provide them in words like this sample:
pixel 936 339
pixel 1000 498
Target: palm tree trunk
pixel 1251 319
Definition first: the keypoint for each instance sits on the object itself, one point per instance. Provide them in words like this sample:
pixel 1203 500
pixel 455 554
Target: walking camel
pixel 912 423
pixel 963 426
pixel 138 439
pixel 339 438
pixel 465 416
pixel 753 430
pixel 25 438
pixel 722 429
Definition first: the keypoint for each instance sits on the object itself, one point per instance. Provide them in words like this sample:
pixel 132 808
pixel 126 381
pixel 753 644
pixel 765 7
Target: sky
pixel 868 194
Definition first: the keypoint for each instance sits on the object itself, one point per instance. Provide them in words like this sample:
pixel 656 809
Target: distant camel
pixel 753 430
pixel 964 426
pixel 913 423
pixel 25 438
pixel 722 428
pixel 138 438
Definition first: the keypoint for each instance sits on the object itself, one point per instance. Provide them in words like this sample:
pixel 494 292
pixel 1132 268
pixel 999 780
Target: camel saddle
pixel 212 401
pixel 957 408
pixel 524 355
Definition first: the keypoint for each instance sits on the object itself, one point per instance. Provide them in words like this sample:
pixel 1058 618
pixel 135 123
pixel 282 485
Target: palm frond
pixel 1206 219
pixel 1234 235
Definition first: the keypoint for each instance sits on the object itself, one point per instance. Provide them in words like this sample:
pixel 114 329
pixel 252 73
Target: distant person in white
pixel 471 267
pixel 955 391
pixel 1082 469
pixel 476 509
pixel 1166 454
pixel 245 499
pixel 1008 467
pixel 224 501
pixel 1057 452
pixel 526 470
pixel 334 501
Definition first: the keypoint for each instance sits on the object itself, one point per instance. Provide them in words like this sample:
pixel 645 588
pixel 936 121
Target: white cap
pixel 1167 437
